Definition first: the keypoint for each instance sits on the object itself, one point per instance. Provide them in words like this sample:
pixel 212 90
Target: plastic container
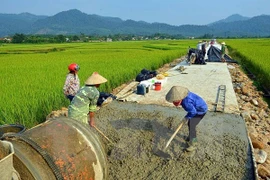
pixel 6 163
pixel 141 89
pixel 157 86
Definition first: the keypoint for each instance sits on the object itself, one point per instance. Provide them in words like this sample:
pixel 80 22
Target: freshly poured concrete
pixel 141 131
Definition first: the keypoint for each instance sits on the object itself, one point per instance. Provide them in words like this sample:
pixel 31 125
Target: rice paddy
pixel 32 76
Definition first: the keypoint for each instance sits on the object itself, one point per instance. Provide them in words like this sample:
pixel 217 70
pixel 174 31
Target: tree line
pixel 37 39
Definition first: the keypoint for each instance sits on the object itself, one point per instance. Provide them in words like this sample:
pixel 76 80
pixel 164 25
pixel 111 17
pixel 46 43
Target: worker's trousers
pixel 192 123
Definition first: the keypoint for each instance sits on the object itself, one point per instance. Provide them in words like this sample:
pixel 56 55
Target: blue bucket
pixel 141 89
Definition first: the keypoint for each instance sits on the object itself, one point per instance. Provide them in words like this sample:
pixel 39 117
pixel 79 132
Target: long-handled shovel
pixel 163 153
pixel 103 134
pixel 176 131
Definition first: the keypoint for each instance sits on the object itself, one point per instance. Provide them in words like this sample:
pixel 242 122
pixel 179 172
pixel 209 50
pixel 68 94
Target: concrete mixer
pixel 59 148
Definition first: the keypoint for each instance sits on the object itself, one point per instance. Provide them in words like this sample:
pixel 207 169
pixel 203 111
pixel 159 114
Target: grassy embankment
pixel 32 76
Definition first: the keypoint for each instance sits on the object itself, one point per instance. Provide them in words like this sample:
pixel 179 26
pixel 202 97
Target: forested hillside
pixel 74 22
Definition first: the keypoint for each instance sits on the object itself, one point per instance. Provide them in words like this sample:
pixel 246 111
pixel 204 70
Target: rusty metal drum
pixel 59 148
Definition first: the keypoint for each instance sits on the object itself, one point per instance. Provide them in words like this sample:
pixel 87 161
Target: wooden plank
pixel 124 97
pixel 130 87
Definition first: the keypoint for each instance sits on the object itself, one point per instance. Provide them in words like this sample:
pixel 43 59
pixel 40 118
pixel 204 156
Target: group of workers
pixel 202 47
pixel 83 102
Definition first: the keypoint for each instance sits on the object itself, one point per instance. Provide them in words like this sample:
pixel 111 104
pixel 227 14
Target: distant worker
pixel 85 101
pixel 72 83
pixel 204 48
pixel 199 45
pixel 196 109
pixel 222 52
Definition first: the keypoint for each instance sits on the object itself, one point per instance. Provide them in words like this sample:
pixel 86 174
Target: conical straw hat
pixel 176 93
pixel 95 78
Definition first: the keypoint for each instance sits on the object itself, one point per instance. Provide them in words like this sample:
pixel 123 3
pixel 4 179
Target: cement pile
pixel 141 131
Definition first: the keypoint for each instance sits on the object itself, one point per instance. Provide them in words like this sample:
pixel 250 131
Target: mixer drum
pixel 59 148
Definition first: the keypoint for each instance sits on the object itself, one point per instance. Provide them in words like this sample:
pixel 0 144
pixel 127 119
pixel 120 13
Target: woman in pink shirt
pixel 72 83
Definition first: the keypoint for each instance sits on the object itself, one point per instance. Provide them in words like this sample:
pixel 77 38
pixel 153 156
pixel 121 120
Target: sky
pixel 173 12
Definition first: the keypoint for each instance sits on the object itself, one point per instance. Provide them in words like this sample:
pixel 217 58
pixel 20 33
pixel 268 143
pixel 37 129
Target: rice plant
pixel 255 55
pixel 32 76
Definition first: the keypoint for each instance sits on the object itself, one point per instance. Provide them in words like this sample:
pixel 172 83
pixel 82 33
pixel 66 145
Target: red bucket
pixel 158 86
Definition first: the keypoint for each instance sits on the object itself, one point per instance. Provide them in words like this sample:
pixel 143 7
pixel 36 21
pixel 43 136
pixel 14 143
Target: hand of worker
pixel 185 119
pixel 91 121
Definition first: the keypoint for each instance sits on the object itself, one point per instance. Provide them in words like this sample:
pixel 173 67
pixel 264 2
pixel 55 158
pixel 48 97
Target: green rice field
pixel 253 54
pixel 32 76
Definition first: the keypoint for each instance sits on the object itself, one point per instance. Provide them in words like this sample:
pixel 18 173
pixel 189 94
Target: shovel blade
pixel 162 154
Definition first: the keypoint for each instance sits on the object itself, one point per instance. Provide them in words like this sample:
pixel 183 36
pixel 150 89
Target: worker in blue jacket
pixel 196 109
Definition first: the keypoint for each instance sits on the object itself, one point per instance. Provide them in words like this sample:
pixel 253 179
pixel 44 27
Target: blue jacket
pixel 194 105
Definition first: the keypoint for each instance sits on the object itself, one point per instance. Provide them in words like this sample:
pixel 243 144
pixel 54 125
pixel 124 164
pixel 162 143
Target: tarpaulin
pixel 214 55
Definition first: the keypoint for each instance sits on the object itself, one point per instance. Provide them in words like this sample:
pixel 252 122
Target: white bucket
pixel 6 163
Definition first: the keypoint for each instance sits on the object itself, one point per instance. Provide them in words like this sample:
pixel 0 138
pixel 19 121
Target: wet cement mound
pixel 140 132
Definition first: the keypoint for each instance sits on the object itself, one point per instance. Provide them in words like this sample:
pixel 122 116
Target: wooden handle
pixel 103 134
pixel 176 131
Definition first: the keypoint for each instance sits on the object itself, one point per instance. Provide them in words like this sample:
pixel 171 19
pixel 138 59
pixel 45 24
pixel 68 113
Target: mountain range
pixel 75 22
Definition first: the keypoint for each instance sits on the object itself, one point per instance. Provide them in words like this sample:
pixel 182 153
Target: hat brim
pixel 94 79
pixel 176 93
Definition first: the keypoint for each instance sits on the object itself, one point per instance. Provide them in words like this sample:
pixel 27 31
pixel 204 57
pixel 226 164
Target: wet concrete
pixel 141 131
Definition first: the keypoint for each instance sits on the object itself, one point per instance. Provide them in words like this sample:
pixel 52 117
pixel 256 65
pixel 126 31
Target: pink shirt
pixel 72 84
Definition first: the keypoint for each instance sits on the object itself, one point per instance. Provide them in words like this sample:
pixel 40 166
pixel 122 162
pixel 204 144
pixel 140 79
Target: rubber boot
pixel 192 145
pixel 186 138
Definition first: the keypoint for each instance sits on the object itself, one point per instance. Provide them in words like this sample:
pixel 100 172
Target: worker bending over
pixel 85 101
pixel 196 109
